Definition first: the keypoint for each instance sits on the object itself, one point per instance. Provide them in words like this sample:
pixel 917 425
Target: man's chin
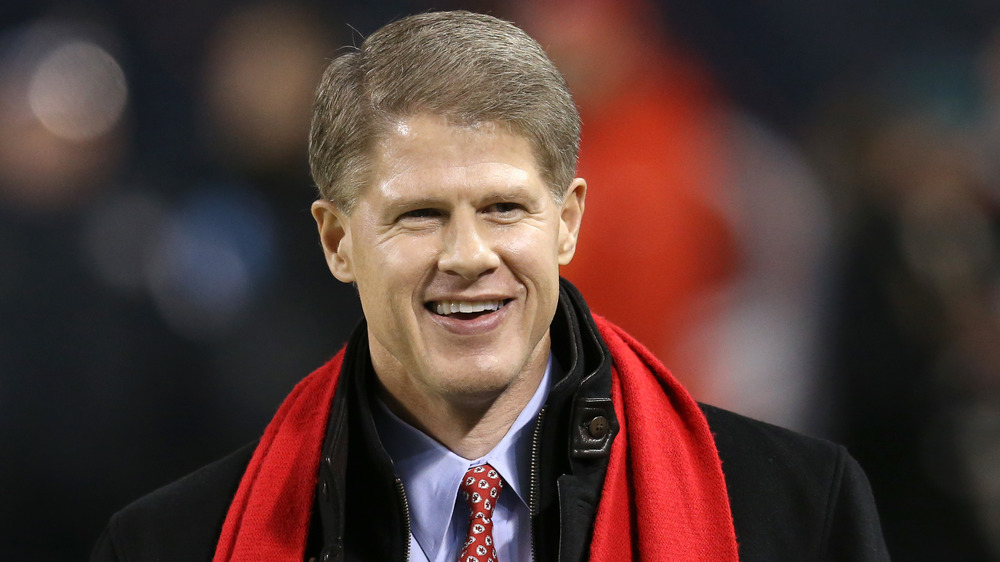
pixel 486 386
pixel 470 380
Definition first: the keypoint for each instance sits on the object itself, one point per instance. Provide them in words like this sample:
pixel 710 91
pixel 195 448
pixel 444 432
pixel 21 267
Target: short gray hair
pixel 467 67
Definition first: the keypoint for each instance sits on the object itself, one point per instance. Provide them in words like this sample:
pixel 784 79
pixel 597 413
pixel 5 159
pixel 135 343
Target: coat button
pixel 598 427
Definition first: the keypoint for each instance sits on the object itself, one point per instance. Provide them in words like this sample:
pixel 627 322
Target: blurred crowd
pixel 797 208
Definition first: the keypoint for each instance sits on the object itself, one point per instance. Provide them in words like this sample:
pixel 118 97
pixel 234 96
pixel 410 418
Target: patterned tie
pixel 480 488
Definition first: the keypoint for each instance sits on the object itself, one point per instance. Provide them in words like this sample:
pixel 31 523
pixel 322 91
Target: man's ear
pixel 570 217
pixel 335 236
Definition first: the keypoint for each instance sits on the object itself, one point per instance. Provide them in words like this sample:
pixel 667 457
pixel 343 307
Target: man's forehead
pixel 429 146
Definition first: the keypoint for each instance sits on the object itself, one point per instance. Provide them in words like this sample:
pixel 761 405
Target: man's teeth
pixel 450 307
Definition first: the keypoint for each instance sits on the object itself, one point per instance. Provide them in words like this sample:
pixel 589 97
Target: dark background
pixel 162 288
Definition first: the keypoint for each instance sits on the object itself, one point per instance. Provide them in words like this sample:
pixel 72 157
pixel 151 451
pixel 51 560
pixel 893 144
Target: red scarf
pixel 679 512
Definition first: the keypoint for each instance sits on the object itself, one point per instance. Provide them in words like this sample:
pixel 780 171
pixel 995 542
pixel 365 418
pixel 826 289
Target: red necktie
pixel 480 488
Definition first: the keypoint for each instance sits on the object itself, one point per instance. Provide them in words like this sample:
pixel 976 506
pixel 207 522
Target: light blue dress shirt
pixel 431 476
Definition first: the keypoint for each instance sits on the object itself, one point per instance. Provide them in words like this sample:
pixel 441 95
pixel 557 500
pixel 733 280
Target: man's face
pixel 455 247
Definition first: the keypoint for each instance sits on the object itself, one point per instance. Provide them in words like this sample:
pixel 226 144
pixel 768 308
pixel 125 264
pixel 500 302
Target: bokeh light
pixel 78 91
pixel 63 99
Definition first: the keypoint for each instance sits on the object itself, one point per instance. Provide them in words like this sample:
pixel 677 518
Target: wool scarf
pixel 664 496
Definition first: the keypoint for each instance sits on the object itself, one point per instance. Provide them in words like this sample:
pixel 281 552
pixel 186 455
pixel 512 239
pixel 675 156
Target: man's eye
pixel 420 214
pixel 505 209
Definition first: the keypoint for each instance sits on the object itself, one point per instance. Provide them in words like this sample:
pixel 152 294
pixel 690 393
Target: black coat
pixel 792 497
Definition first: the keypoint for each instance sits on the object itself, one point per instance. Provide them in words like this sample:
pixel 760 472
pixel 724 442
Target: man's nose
pixel 467 250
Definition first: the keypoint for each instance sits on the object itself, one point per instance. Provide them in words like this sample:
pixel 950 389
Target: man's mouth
pixel 466 309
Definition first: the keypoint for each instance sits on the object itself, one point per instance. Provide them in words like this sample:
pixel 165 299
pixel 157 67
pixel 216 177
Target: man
pixel 480 412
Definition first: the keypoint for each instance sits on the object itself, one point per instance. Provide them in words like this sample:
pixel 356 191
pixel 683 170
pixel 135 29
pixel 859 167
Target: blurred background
pixel 794 205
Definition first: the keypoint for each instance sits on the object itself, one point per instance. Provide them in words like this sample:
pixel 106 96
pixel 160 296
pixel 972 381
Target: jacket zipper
pixel 406 514
pixel 533 492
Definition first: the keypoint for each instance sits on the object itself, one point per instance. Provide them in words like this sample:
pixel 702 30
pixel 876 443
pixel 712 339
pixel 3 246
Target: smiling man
pixel 480 411
pixel 455 246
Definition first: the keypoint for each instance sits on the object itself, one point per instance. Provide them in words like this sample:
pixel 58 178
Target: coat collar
pixel 573 444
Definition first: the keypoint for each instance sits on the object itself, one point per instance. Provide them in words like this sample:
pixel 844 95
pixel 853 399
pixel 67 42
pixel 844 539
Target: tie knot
pixel 481 488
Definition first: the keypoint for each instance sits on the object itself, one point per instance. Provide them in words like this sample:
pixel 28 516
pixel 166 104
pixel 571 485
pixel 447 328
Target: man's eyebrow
pixel 514 191
pixel 404 200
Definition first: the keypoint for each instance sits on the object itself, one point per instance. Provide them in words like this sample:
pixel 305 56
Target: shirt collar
pixel 431 473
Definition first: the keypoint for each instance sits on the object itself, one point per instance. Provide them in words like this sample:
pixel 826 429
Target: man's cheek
pixel 529 246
